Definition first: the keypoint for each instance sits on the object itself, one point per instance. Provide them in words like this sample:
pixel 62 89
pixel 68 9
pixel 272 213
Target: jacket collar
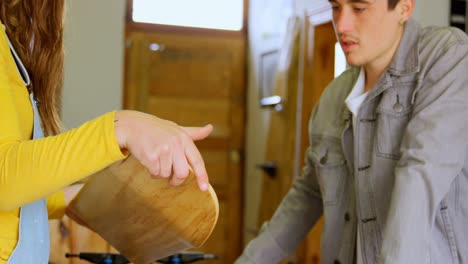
pixel 406 58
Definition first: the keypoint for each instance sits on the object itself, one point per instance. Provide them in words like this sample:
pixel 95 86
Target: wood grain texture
pixel 144 218
pixel 195 80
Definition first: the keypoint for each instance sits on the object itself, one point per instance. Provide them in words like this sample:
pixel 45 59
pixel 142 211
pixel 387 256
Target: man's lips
pixel 348 44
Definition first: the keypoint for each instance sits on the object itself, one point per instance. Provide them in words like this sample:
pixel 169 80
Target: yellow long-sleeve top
pixel 34 169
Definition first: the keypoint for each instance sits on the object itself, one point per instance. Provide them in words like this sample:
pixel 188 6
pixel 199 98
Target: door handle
pixel 269 167
pixel 274 101
pixel 156 47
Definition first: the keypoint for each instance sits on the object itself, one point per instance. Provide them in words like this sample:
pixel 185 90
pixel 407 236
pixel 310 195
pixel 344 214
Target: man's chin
pixel 353 62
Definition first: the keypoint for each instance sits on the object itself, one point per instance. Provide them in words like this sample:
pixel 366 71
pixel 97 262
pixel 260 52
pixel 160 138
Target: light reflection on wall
pixel 340 60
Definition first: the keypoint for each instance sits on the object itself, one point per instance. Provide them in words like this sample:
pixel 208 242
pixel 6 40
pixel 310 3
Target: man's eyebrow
pixel 351 1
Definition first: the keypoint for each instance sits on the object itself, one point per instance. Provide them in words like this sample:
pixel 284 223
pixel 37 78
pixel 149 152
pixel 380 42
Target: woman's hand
pixel 163 147
pixel 70 192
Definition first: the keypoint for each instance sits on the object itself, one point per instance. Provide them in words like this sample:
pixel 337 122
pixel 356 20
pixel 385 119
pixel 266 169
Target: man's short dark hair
pixel 392 4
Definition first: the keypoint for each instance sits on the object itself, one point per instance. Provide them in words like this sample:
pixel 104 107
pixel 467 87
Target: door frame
pixel 320 14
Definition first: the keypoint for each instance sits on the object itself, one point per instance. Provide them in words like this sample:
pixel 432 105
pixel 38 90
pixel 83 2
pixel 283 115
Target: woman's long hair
pixel 35 28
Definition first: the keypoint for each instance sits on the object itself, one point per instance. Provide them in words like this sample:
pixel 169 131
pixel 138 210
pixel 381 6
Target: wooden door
pixel 318 71
pixel 278 168
pixel 194 77
pixel 310 71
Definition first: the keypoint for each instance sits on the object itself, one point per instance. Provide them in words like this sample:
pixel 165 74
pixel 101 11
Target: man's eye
pixel 359 9
pixel 335 8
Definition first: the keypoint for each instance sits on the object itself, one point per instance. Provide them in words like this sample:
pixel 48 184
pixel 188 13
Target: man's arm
pixel 433 153
pixel 295 216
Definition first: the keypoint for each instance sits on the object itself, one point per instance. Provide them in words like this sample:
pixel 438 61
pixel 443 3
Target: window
pixel 213 14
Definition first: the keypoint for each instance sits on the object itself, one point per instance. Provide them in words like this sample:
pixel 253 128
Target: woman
pixel 34 169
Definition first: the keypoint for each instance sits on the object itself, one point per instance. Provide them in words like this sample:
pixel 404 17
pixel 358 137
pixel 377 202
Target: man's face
pixel 367 30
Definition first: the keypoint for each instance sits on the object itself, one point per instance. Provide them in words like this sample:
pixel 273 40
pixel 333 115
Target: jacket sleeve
pixel 433 150
pixel 33 169
pixel 297 213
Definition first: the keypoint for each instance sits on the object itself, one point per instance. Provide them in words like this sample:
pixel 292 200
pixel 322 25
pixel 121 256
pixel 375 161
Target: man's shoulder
pixel 333 97
pixel 328 114
pixel 341 86
pixel 441 48
pixel 442 38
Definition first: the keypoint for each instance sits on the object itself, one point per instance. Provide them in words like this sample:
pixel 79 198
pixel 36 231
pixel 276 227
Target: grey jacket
pixel 402 176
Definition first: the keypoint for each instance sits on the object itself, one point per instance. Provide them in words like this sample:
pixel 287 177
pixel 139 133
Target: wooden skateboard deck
pixel 144 218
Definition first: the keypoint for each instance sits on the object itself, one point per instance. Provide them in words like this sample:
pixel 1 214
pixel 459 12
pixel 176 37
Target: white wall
pixel 94 52
pixel 432 12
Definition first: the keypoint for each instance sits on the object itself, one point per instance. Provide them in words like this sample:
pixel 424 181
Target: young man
pixel 387 164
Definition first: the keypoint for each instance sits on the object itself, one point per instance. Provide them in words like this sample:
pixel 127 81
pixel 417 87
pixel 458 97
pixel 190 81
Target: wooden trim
pixel 320 13
pixel 245 24
pixel 128 11
pixel 148 27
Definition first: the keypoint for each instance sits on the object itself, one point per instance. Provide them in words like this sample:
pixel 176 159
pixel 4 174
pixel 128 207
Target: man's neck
pixel 372 75
pixel 376 68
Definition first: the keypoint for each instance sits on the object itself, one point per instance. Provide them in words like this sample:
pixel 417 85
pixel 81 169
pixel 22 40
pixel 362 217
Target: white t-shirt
pixel 357 95
pixel 353 102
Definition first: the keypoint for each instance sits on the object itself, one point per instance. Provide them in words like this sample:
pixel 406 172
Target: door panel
pixel 195 80
pixel 193 112
pixel 217 162
pixel 281 138
pixel 289 127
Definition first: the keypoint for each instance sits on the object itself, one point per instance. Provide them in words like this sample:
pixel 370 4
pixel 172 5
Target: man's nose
pixel 343 21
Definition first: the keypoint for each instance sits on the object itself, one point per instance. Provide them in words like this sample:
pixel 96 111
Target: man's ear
pixel 405 9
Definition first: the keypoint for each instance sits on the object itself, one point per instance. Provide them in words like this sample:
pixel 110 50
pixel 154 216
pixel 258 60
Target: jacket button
pixel 336 262
pixel 398 107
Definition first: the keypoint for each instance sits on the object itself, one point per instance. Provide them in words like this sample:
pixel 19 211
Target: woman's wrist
pixel 120 127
